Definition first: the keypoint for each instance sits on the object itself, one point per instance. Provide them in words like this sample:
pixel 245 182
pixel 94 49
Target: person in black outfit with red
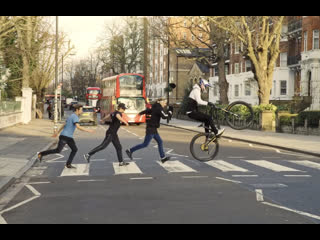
pixel 153 124
pixel 111 135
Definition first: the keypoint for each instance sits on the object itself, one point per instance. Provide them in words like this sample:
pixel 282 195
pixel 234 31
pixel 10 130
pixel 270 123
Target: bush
pixel 285 120
pixel 312 116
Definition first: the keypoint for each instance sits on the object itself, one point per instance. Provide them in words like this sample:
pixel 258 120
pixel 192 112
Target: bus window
pixel 131 85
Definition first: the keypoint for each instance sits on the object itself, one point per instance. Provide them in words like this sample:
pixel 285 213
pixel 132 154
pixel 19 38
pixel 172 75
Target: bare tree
pixel 121 46
pixel 196 32
pixel 260 36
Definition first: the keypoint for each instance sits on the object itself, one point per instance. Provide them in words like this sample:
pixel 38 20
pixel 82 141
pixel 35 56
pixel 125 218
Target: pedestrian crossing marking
pixel 176 166
pixel 132 168
pixel 225 166
pixel 80 170
pixel 307 163
pixel 272 166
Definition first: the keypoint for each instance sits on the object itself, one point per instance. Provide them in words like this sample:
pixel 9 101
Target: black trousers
pixel 110 137
pixel 206 119
pixel 63 140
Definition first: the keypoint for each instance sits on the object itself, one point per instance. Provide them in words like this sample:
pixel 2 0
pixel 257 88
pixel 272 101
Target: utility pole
pixel 168 75
pixel 56 82
pixel 61 84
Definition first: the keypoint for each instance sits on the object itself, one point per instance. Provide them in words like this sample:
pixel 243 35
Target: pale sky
pixel 83 31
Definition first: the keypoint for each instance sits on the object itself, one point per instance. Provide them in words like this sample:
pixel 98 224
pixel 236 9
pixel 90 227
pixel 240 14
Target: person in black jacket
pixel 111 135
pixel 153 124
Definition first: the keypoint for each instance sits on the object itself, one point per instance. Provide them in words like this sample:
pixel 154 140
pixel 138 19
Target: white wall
pixel 283 73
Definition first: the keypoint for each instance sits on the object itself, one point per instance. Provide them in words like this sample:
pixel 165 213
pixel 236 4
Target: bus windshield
pixel 133 105
pixel 131 85
pixel 93 92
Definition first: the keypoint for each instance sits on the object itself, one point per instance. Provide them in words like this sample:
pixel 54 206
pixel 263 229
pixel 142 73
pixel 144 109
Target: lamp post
pixel 55 128
pixel 61 84
pixel 168 96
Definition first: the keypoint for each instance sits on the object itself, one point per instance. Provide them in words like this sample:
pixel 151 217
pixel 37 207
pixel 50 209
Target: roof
pixel 196 52
pixel 204 68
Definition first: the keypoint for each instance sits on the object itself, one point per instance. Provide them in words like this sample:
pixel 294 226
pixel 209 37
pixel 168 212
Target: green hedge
pixel 312 116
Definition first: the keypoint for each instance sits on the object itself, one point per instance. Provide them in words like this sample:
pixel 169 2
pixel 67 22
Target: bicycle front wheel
pixel 203 148
pixel 239 115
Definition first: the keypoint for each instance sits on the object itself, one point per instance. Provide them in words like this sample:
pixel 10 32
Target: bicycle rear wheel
pixel 239 115
pixel 203 149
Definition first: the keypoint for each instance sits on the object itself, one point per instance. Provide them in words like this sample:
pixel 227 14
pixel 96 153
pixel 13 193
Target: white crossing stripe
pixel 176 166
pixel 307 164
pixel 272 166
pixel 132 168
pixel 80 170
pixel 225 166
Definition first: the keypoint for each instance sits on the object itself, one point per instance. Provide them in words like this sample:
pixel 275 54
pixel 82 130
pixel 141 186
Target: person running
pixel 111 135
pixel 153 124
pixel 192 107
pixel 66 136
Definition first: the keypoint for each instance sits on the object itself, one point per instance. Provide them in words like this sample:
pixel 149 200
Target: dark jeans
pixel 63 140
pixel 206 119
pixel 110 137
pixel 147 141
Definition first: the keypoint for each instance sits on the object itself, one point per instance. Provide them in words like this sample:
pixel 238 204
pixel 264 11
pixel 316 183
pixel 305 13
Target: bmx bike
pixel 238 115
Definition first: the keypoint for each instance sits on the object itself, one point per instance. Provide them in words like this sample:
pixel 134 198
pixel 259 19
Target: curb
pixel 254 142
pixel 10 179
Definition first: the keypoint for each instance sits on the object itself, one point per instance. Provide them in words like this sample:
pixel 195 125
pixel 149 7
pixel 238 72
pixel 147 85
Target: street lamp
pixel 55 128
pixel 61 84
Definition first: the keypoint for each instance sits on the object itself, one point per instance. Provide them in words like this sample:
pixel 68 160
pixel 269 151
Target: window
pixel 305 41
pixel 248 65
pixel 216 71
pixel 192 37
pixel 283 59
pixel 226 69
pixel 236 68
pixel 184 36
pixel 247 89
pixel 283 87
pixel 236 47
pixel 215 90
pixel 236 90
pixel 200 35
pixel 315 39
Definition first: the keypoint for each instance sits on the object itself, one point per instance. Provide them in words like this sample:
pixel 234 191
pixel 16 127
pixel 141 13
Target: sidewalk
pixel 293 142
pixel 18 147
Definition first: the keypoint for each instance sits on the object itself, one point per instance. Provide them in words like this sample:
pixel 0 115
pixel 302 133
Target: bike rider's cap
pixel 205 82
pixel 122 105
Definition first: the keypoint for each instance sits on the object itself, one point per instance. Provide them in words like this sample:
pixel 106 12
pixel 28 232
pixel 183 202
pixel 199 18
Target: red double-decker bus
pixel 93 95
pixel 127 88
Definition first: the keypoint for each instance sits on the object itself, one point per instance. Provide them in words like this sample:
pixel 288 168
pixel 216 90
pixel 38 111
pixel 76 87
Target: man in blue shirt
pixel 66 136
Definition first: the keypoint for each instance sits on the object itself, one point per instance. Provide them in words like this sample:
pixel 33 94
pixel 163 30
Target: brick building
pixel 297 71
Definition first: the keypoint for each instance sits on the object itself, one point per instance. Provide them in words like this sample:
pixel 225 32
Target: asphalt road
pixel 244 184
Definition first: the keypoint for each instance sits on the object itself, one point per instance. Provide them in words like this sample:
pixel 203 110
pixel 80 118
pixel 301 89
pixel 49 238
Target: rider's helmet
pixel 204 82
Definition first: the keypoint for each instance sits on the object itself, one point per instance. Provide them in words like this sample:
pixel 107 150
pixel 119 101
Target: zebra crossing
pixel 237 168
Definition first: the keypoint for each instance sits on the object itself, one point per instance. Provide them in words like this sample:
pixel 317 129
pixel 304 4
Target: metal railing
pixel 9 107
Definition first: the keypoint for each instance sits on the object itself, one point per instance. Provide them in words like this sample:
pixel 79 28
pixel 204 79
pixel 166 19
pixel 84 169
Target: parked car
pixel 68 102
pixel 71 104
pixel 88 116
